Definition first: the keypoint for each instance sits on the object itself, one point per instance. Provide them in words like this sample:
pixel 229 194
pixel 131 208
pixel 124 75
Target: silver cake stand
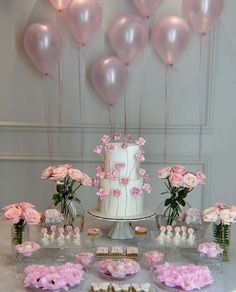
pixel 121 228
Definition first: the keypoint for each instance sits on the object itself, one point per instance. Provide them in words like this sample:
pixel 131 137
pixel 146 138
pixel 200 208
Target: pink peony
pixel 13 215
pixel 201 177
pixel 176 180
pixel 102 193
pixel 98 149
pixel 211 214
pixel 164 172
pixel 31 216
pixel 75 174
pixel 47 172
pixel 190 180
pixel 105 139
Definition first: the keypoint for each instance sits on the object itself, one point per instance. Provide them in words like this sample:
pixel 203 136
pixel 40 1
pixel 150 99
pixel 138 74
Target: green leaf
pixel 77 200
pixel 168 202
pixel 164 193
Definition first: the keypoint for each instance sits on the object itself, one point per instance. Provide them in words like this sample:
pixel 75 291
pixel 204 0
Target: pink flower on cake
pixel 179 169
pixel 116 192
pixel 164 172
pixel 105 139
pixel 139 156
pixel 146 178
pixel 112 175
pixel 98 149
pixel 110 147
pixel 176 180
pixel 128 138
pixel 100 172
pixel 210 214
pixel 102 193
pixel 147 188
pixel 124 180
pixel 124 145
pixel 116 136
pixel 140 141
pixel 120 166
pixel 190 180
pixel 141 171
pixel 201 177
pixel 136 191
pixel 47 172
pixel 75 174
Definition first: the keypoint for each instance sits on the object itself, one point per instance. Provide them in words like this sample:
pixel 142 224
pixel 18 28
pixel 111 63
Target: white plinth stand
pixel 121 228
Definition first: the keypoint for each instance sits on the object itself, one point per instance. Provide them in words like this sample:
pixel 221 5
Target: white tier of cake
pixel 126 204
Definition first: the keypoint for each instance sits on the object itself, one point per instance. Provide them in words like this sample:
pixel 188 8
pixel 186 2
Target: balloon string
pixel 125 111
pixel 167 93
pixel 110 118
pixel 60 91
pixel 48 121
pixel 201 86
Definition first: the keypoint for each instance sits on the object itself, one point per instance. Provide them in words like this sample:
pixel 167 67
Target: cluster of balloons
pixel 128 36
pixel 43 41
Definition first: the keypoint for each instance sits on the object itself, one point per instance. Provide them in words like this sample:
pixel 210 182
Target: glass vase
pixel 19 234
pixel 221 235
pixel 166 215
pixel 72 212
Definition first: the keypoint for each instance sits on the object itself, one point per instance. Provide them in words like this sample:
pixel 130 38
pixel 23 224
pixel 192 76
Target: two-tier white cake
pixel 122 181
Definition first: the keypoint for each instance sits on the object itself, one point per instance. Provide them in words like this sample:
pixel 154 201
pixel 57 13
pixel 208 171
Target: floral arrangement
pixel 53 277
pixel 220 213
pixel 52 216
pixel 191 217
pixel 211 249
pixel 179 182
pixel 19 215
pixel 119 171
pixel 27 248
pixel 119 269
pixel 187 277
pixel 68 180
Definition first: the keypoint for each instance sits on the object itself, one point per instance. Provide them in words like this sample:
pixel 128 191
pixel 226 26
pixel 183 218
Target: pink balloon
pixel 109 77
pixel 128 36
pixel 84 18
pixel 60 5
pixel 170 37
pixel 43 43
pixel 147 7
pixel 203 14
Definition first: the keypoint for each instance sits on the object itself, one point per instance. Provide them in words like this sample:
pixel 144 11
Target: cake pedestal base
pixel 121 228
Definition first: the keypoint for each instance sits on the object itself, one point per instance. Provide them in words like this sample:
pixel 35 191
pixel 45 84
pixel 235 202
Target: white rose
pixel 190 180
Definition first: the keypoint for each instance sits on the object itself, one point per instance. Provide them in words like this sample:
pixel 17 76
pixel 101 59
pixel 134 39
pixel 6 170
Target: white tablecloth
pixel 11 281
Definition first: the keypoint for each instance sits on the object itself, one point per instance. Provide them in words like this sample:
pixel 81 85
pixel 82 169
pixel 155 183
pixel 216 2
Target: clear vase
pixel 19 234
pixel 73 213
pixel 166 215
pixel 221 235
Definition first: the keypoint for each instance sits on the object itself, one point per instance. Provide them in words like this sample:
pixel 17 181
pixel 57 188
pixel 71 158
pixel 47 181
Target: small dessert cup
pixel 86 259
pixel 140 233
pixel 92 234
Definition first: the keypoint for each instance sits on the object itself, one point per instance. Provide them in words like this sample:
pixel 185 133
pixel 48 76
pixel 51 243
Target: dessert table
pixel 11 280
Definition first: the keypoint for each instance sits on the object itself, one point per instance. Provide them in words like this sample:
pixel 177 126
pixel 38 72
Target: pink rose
pixel 86 180
pixel 179 169
pixel 227 216
pixel 164 172
pixel 210 214
pixel 25 205
pixel 31 216
pixel 47 172
pixel 59 173
pixel 11 206
pixel 75 174
pixel 68 166
pixel 201 177
pixel 176 180
pixel 220 205
pixel 13 215
pixel 190 180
